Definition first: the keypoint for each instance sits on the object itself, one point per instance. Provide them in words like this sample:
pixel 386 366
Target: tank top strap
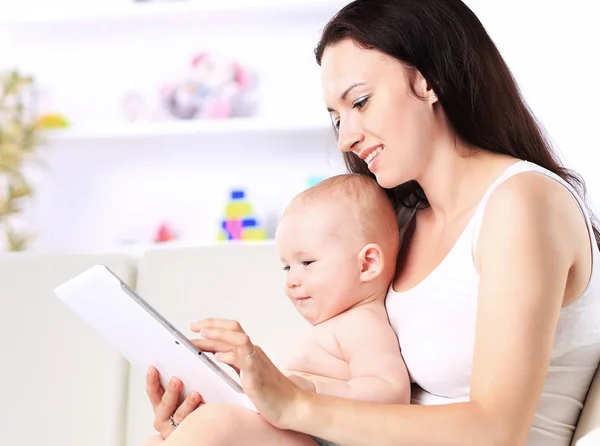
pixel 513 169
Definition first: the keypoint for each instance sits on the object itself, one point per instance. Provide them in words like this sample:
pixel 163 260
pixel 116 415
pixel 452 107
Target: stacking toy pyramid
pixel 239 222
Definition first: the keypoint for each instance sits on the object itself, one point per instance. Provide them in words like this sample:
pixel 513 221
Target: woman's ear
pixel 371 262
pixel 423 89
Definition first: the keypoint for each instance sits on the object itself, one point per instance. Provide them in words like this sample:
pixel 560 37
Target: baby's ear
pixel 371 262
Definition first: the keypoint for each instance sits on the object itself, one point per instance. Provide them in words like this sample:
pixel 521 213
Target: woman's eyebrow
pixel 345 93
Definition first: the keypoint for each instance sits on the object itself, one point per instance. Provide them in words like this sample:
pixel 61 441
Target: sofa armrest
pixel 62 382
pixel 588 426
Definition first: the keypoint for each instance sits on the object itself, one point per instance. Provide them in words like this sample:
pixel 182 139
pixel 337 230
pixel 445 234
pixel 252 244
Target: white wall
pixel 553 49
pixel 95 194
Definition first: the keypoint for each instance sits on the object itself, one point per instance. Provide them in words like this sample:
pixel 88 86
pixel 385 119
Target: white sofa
pixel 63 385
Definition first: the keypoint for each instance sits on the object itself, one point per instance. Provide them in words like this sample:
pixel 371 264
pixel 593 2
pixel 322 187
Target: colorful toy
pixel 239 222
pixel 48 121
pixel 164 233
pixel 213 88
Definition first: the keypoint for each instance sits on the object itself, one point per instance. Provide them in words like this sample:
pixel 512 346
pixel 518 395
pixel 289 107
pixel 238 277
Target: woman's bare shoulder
pixel 531 198
pixel 535 216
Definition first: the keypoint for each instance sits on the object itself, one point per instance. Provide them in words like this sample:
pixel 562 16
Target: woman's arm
pixel 524 255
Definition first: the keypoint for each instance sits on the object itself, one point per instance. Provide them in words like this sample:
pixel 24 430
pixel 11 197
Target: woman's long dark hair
pixel 448 45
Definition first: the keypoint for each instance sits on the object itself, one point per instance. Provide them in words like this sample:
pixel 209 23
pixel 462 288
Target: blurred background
pixel 170 121
pixel 130 125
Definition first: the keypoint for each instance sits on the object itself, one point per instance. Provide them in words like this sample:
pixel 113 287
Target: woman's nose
pixel 349 136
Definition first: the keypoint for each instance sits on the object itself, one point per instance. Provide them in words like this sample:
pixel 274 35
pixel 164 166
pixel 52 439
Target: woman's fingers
pixel 226 338
pixel 168 403
pixel 272 392
pixel 230 357
pixel 165 402
pixel 154 389
pixel 222 335
pixel 235 339
pixel 227 324
pixel 210 345
pixel 190 404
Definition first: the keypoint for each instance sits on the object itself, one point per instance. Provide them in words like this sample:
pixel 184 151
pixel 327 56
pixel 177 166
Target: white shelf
pixel 189 129
pixel 163 10
pixel 139 248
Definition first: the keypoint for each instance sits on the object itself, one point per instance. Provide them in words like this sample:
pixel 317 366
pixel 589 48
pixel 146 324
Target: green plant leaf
pixel 16 241
pixel 19 190
pixel 19 139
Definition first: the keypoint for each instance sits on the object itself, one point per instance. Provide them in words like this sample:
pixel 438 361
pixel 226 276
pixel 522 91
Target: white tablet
pixel 145 338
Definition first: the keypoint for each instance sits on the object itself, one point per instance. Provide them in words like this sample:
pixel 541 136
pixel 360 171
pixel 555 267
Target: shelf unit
pixel 161 168
pixel 165 10
pixel 192 128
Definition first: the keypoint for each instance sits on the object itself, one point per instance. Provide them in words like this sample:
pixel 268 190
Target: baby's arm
pixel 377 371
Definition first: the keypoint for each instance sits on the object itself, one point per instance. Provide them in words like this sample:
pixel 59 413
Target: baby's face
pixel 321 260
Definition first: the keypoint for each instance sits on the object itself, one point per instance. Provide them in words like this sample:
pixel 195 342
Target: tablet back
pixel 143 337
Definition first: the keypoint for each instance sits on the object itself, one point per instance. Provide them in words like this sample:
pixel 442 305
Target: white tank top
pixel 435 325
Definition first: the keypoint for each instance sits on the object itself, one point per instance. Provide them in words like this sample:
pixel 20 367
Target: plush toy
pixel 213 88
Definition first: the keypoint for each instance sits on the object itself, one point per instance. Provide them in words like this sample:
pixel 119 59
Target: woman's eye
pixel 360 103
pixel 336 123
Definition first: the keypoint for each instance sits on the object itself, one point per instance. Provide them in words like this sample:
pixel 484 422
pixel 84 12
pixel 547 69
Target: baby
pixel 338 242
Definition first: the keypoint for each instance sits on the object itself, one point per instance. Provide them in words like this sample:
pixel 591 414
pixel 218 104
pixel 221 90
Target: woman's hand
pixel 164 402
pixel 273 394
pixel 302 382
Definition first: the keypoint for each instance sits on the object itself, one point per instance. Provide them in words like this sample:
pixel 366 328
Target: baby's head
pixel 338 242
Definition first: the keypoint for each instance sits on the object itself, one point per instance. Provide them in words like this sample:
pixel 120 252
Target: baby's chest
pixel 320 354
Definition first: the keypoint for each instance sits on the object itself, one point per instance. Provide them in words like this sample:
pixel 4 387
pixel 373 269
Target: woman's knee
pixel 154 440
pixel 225 425
pixel 214 412
pixel 218 419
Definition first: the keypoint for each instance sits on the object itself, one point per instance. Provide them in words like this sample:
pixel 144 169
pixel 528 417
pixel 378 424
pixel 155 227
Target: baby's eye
pixel 286 267
pixel 361 103
pixel 307 262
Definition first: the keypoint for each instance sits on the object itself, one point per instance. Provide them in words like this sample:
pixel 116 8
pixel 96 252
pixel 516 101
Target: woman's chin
pixel 391 178
pixel 386 181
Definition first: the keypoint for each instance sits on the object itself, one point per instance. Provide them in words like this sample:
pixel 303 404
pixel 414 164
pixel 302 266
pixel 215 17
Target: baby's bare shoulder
pixel 373 314
pixel 364 324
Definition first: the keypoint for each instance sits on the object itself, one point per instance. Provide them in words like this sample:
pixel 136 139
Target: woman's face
pixel 378 117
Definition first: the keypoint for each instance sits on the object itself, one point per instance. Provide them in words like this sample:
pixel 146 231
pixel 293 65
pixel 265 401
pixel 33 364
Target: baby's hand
pixel 303 383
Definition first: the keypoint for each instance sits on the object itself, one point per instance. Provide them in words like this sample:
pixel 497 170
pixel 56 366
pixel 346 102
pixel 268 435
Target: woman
pixel 496 301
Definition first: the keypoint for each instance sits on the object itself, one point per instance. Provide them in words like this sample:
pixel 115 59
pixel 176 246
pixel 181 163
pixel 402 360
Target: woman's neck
pixel 457 177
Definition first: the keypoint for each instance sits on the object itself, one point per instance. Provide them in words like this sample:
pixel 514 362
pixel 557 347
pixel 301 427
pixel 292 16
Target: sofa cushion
pixel 66 385
pixel 239 281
